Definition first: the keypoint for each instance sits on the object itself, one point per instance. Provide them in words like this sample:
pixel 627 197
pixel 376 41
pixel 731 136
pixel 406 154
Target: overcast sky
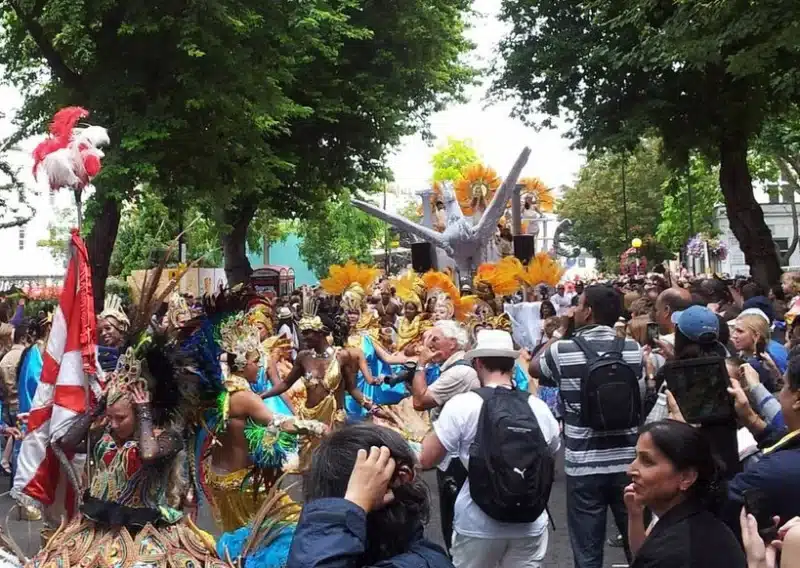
pixel 497 137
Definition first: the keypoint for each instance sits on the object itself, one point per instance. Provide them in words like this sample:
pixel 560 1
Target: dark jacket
pixel 777 474
pixel 688 536
pixel 332 533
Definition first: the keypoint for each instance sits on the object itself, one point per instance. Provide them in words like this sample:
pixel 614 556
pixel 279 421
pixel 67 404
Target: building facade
pixel 776 203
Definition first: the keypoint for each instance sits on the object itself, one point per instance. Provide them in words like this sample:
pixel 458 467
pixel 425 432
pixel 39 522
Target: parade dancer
pixel 353 282
pixel 327 374
pixel 248 445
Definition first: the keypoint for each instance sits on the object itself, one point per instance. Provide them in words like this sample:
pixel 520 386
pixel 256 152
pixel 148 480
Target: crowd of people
pixel 675 405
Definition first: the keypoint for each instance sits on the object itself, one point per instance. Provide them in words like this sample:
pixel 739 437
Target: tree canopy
pixel 234 107
pixel 337 233
pixel 596 206
pixel 702 75
pixel 451 158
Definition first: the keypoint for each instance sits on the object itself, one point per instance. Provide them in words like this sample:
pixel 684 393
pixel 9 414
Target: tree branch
pixel 57 64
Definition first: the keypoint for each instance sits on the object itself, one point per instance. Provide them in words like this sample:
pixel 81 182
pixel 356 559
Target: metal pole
pixel 386 247
pixel 625 205
pixel 691 211
pixel 516 210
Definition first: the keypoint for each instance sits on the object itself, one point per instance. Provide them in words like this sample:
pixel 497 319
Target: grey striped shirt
pixel 590 452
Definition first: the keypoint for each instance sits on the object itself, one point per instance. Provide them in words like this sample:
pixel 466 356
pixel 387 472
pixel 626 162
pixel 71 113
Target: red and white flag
pixel 61 395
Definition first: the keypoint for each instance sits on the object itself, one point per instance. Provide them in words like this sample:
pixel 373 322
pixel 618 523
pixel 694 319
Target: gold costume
pixel 87 545
pixel 234 501
pixel 327 410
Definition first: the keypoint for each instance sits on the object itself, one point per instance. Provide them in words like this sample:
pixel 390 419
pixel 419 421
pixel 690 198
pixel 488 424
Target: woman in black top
pixel 677 477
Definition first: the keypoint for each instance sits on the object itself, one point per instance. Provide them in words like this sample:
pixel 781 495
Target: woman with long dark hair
pixel 678 477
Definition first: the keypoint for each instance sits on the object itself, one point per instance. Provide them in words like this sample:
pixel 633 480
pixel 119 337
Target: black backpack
pixel 610 395
pixel 510 466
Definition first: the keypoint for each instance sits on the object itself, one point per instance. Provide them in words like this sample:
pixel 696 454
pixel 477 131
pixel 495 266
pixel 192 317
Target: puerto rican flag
pixel 41 479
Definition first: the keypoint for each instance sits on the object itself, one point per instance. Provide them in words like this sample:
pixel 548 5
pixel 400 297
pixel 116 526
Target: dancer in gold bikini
pixel 327 373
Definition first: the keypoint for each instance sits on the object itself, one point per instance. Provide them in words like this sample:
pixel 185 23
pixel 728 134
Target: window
pixel 782 245
pixel 22 237
pixel 773 191
pixel 581 262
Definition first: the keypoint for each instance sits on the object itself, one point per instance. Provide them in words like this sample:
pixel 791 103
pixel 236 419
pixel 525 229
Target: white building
pixel 776 205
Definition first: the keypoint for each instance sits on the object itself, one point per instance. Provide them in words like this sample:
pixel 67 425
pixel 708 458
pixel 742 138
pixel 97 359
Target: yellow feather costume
pixel 542 269
pixel 448 295
pixel 410 288
pixel 477 185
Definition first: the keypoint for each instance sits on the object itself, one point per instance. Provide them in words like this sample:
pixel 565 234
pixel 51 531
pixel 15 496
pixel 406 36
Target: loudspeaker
pixel 423 257
pixel 524 247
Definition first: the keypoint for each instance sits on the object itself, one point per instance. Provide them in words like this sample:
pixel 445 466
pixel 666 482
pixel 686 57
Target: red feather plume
pixel 65 120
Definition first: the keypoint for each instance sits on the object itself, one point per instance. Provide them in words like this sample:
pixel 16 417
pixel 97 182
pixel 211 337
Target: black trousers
pixel 449 483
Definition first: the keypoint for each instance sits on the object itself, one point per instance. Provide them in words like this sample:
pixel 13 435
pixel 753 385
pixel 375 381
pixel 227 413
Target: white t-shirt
pixel 456 429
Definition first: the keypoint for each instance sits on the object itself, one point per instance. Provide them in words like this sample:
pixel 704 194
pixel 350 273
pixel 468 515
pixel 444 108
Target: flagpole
pixel 86 378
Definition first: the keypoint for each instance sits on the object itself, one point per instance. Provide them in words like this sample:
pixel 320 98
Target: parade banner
pixel 69 359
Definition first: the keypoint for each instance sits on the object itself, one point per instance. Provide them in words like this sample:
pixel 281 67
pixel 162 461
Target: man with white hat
pixel 288 329
pixel 480 540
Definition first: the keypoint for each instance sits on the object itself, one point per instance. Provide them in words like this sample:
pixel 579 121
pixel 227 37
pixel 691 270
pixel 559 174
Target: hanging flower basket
pixel 696 247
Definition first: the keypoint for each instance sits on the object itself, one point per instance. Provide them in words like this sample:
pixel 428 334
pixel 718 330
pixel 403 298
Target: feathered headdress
pixel 410 288
pixel 476 187
pixel 70 155
pixel 239 338
pixel 503 276
pixel 542 269
pixel 352 281
pixel 112 308
pixel 310 320
pixel 537 188
pixel 447 294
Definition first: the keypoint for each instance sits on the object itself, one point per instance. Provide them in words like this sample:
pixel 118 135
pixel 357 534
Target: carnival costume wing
pixel 402 224
pixel 488 223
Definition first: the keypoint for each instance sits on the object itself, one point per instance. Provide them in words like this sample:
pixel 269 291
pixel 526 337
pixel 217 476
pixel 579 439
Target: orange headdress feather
pixel 542 269
pixel 503 276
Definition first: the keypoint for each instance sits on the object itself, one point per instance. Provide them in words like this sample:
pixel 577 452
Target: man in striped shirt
pixel 595 461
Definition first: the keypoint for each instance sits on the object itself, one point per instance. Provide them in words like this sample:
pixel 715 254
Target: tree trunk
pixel 745 216
pixel 234 247
pixel 100 244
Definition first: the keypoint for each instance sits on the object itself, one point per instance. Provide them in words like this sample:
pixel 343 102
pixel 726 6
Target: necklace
pixel 327 353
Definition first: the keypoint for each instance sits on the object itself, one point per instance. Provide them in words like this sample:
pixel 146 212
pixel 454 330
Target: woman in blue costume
pixel 351 282
pixel 271 348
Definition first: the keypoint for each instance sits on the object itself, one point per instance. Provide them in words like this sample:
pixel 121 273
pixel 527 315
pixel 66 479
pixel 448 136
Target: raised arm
pixel 153 446
pixel 389 358
pixel 281 386
pixel 74 439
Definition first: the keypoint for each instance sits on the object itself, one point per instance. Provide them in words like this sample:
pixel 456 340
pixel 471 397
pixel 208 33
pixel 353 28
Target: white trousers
pixel 471 552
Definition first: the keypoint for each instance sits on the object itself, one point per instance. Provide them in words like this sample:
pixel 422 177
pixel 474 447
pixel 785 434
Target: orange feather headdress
pixel 352 281
pixel 447 294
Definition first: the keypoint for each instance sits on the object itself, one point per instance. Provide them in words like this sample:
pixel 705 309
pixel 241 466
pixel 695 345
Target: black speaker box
pixel 524 247
pixel 423 257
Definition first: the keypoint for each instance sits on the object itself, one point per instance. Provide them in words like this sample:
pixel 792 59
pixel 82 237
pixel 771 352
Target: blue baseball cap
pixel 698 323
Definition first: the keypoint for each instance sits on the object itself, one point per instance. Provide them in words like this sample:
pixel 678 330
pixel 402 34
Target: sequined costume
pixel 236 496
pixel 130 514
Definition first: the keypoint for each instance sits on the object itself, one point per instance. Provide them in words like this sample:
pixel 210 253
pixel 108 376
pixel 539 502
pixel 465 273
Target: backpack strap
pixel 618 345
pixel 583 345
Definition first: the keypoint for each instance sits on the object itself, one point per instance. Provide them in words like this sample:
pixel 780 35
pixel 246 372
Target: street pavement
pixel 559 554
